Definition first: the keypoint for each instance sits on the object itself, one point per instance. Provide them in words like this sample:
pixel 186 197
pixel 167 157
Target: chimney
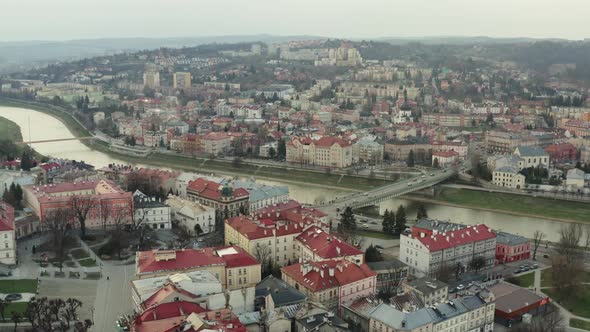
pixel 331 272
pixel 322 273
pixel 338 250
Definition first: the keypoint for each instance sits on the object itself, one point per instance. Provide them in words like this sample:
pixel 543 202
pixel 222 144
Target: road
pixel 113 296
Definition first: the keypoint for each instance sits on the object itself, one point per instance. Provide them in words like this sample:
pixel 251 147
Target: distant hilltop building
pixel 151 79
pixel 181 80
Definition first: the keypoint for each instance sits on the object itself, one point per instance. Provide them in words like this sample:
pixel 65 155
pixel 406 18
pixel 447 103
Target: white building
pixel 7 239
pixel 261 195
pixel 151 212
pixel 155 139
pixel 508 177
pixel 532 156
pixel 189 214
pixel 575 178
pixel 98 117
pixel 426 253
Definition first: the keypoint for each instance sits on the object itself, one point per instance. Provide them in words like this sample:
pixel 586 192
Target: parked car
pixel 13 297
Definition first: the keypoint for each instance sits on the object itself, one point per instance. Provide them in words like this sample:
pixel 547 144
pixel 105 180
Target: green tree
pixel 347 221
pixel 400 219
pixel 385 225
pixel 411 159
pixel 272 153
pixel 372 254
pixel 282 149
pixel 421 212
pixel 26 162
pixel 435 163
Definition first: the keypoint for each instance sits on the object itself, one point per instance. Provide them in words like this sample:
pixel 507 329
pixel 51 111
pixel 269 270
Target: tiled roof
pixel 254 230
pixel 172 260
pixel 440 241
pixel 327 274
pixel 164 293
pixel 326 245
pixel 213 190
pixel 6 217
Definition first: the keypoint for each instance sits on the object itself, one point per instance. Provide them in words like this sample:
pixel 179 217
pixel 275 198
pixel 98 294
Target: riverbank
pixel 10 131
pixel 206 165
pixel 517 205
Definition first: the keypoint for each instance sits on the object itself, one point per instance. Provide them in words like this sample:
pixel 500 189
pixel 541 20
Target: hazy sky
pixel 74 19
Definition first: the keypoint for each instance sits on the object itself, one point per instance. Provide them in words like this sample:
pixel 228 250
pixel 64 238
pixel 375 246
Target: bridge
pixel 56 140
pixel 378 195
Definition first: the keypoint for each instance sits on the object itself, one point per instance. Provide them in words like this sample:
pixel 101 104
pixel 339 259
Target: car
pixel 431 174
pixel 460 287
pixel 366 194
pixel 13 297
pixel 423 176
pixel 365 226
pixel 535 266
pixel 409 184
pixel 378 246
pixel 518 271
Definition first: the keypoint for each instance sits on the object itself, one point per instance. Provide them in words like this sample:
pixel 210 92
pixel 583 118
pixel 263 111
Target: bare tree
pixel 58 222
pixel 119 217
pixel 537 239
pixel 586 236
pixel 71 306
pixel 389 287
pixel 263 253
pixel 138 222
pixel 569 241
pixel 549 321
pixel 444 272
pixel 81 206
pixel 44 314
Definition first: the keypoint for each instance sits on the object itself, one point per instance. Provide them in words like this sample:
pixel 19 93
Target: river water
pixel 39 126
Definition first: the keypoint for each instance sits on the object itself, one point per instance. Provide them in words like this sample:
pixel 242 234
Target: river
pixel 43 127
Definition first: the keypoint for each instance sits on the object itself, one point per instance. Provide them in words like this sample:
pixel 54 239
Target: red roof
pixel 326 245
pixel 327 274
pixel 212 190
pixel 264 228
pixel 6 217
pixel 215 136
pixel 440 241
pixel 183 259
pixel 445 154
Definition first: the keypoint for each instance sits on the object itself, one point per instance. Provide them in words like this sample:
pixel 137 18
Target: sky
pixel 81 19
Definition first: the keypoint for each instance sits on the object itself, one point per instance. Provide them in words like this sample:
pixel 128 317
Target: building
pixel 187 317
pixel 512 302
pixel 194 287
pixel 181 80
pixel 429 291
pixel 216 143
pixel 470 313
pixel 7 236
pixel 151 80
pixel 273 293
pixel 266 240
pixel 508 177
pixel 444 158
pixel 331 282
pixel 367 152
pixel 321 322
pixel 575 178
pixel 426 254
pixel 532 156
pixel 512 248
pixel 562 152
pixel 150 211
pixel 110 204
pixel 227 201
pixel 332 152
pixel 231 265
pixel 315 244
pixel 390 273
pixel 260 195
pixel 191 215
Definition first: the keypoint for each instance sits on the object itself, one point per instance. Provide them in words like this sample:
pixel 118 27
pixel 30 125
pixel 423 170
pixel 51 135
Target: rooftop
pixel 327 274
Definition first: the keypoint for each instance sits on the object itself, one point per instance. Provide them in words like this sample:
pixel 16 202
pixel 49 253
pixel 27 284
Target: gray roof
pixel 258 191
pixel 281 293
pixel 531 151
pixel 427 285
pixel 386 265
pixel 315 321
pixel 142 201
pixel 510 239
pixel 508 169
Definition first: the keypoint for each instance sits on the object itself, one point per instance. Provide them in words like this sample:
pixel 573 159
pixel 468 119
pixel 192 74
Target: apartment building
pixel 508 177
pixel 7 236
pixel 189 214
pixel 426 253
pixel 227 201
pixel 231 265
pixel 331 282
pixel 332 152
pixel 315 244
pixel 215 143
pixel 512 248
pixel 150 211
pixel 181 80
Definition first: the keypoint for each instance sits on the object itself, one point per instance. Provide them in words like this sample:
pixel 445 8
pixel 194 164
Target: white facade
pixel 190 214
pixel 151 212
pixel 508 177
pixel 7 247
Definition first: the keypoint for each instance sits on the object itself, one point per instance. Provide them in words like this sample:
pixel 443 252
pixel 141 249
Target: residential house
pixel 191 215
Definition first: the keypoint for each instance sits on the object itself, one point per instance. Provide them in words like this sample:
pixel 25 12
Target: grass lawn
pixel 517 203
pixel 525 280
pixel 578 303
pixel 580 324
pixel 9 131
pixel 19 307
pixel 18 286
pixel 375 234
pixel 547 277
pixel 87 262
pixel 79 253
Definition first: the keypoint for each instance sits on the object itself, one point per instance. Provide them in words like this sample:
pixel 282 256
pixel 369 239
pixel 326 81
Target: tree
pixel 411 159
pixel 236 162
pixel 550 320
pixel 118 217
pixel 198 230
pixel 477 263
pixel 71 307
pixel 81 206
pixel 43 313
pixel 16 318
pixel 2 308
pixel 282 149
pixel 435 163
pixel 58 222
pixel 421 212
pixel 400 220
pixel 272 153
pixel 347 226
pixel 263 253
pixel 26 162
pixel 372 254
pixel 444 272
pixel 569 241
pixel 537 238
